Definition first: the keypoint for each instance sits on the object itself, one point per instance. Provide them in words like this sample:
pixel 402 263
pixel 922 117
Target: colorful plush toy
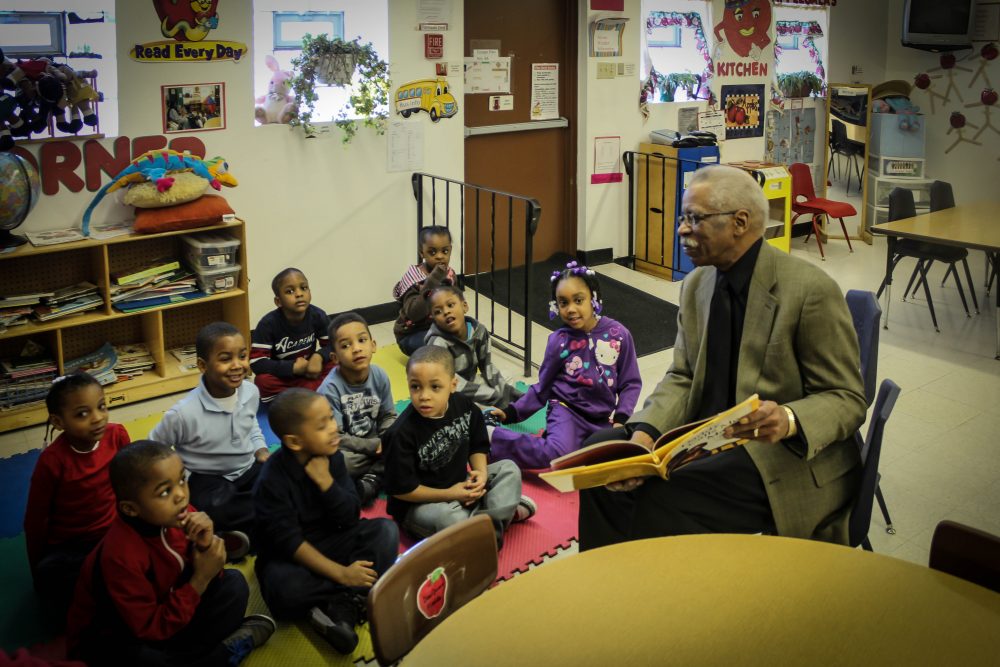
pixel 277 106
pixel 76 100
pixel 156 166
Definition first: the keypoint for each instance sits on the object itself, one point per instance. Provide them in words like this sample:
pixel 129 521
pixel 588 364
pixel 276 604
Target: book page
pixel 708 439
pixel 600 452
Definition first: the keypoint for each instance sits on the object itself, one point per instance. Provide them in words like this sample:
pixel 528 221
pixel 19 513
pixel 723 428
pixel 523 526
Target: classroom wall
pixel 329 209
pixel 858 37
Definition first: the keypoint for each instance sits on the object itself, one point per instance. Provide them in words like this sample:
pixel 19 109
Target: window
pixel 84 39
pixel 800 49
pixel 676 63
pixel 278 28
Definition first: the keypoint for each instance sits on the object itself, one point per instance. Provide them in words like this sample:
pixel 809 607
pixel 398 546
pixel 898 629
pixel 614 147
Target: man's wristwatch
pixel 793 427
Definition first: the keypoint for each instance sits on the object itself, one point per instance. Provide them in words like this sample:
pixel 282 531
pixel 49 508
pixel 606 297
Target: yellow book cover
pixel 615 460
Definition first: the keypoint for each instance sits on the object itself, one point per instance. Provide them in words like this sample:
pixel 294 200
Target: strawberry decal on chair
pixel 432 593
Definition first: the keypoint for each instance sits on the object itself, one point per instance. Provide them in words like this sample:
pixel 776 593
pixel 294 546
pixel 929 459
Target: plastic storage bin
pixel 887 138
pixel 218 279
pixel 211 251
pixel 896 167
pixel 879 188
pixel 879 214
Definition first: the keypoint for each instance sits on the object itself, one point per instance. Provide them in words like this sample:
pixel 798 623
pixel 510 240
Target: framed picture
pixel 193 108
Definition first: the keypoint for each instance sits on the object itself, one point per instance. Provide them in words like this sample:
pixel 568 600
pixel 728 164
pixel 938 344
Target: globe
pixel 19 190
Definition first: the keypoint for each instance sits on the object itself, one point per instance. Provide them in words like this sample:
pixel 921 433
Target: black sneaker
pixel 237 545
pixel 336 623
pixel 368 486
pixel 255 630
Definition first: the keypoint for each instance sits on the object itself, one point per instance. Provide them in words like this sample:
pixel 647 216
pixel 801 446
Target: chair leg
pixel 866 544
pixel 885 510
pixel 819 241
pixel 951 267
pixel 892 267
pixel 972 289
pixel 927 293
pixel 846 237
pixel 961 292
pixel 916 271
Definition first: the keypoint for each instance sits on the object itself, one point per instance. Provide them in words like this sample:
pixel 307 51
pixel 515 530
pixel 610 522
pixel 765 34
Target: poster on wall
pixel 743 107
pixel 193 108
pixel 544 91
pixel 791 136
pixel 745 29
pixel 185 26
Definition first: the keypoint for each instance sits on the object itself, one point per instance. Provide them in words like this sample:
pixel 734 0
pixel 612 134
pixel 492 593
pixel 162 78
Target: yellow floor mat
pixel 392 360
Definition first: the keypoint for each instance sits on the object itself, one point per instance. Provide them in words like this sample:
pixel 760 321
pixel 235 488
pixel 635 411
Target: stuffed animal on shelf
pixel 278 106
pixel 76 100
pixel 158 167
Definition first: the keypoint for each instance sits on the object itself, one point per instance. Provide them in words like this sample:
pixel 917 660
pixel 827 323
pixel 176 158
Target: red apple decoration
pixel 988 97
pixel 947 60
pixel 741 115
pixel 922 81
pixel 957 120
pixel 989 51
pixel 431 594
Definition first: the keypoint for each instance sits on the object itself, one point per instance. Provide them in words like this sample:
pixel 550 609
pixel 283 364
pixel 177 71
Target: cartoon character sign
pixel 746 24
pixel 187 20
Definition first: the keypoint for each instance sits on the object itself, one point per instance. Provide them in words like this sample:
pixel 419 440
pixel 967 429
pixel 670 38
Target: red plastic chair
pixel 810 204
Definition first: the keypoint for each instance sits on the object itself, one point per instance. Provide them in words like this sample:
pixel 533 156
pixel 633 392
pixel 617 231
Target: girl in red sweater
pixel 70 503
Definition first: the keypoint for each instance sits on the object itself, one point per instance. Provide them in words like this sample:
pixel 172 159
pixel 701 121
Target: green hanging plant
pixel 326 61
pixel 799 84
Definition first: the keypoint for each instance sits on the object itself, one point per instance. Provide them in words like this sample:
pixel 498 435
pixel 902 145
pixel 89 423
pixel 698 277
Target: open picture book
pixel 615 460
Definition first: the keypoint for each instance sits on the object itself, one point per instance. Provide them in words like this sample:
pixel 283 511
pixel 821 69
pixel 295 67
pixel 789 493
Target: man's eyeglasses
pixel 695 219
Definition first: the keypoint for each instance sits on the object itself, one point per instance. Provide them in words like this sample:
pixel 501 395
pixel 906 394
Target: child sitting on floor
pixel 154 591
pixel 469 343
pixel 361 399
pixel 70 502
pixel 290 344
pixel 214 429
pixel 430 449
pixel 316 557
pixel 414 319
pixel 589 376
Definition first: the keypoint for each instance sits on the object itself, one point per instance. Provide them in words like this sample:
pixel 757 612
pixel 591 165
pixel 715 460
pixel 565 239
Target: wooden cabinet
pixel 32 269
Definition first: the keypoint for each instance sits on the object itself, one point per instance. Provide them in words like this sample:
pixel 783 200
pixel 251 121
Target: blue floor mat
pixel 22 620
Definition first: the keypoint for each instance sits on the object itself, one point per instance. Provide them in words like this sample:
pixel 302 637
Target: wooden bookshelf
pixel 32 269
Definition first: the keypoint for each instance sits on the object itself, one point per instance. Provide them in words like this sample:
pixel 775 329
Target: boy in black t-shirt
pixel 431 448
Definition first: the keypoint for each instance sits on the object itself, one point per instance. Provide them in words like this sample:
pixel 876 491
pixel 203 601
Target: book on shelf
pixel 152 268
pixel 187 357
pixel 99 363
pixel 54 236
pixel 615 460
pixel 45 313
pixel 27 299
pixel 111 230
pixel 161 300
pixel 69 293
pixel 133 360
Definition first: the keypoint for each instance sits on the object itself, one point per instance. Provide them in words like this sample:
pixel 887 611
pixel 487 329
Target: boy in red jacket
pixel 154 591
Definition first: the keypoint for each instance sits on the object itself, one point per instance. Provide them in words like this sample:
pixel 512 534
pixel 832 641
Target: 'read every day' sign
pixel 187 52
pixel 185 26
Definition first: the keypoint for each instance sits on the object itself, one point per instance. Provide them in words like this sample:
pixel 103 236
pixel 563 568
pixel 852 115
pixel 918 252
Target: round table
pixel 722 599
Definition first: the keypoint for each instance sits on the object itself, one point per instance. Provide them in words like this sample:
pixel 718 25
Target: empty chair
pixel 852 150
pixel 866 312
pixel 810 204
pixel 871 449
pixel 968 553
pixel 943 198
pixel 428 583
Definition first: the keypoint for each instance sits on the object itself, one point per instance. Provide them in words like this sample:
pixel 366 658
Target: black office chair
pixel 901 206
pixel 966 552
pixel 871 449
pixel 852 150
pixel 866 313
pixel 942 198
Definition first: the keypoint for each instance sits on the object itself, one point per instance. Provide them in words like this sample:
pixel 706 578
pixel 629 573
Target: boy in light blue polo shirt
pixel 214 429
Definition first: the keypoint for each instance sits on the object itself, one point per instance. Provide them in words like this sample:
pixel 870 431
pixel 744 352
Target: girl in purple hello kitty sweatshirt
pixel 589 376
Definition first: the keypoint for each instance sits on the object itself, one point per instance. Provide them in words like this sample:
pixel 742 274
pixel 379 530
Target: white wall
pixel 858 37
pixel 329 209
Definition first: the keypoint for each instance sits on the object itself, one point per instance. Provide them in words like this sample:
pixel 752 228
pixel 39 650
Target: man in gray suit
pixel 752 320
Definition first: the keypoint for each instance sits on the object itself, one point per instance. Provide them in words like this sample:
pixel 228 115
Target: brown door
pixel 538 163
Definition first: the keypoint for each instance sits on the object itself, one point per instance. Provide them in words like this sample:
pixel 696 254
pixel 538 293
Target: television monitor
pixel 938 25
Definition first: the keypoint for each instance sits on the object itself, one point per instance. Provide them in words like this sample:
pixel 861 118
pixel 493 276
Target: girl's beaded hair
pixel 63 386
pixel 584 273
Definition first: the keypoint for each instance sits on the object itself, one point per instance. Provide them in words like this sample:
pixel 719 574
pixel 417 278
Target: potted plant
pixel 333 61
pixel 799 84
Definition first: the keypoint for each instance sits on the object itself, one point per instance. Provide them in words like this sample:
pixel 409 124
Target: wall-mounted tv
pixel 938 25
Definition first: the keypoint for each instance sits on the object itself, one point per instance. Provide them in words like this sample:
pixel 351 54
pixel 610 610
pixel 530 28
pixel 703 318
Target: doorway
pixel 537 163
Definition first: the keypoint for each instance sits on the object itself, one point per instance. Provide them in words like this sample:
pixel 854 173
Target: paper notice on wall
pixel 487 76
pixel 714 122
pixel 687 119
pixel 404 146
pixel 544 91
pixel 986 23
pixel 433 11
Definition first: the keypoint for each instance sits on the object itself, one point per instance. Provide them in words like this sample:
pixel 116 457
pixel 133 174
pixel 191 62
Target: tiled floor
pixel 941 455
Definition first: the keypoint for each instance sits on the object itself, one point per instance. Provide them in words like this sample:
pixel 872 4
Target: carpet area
pixel 652 321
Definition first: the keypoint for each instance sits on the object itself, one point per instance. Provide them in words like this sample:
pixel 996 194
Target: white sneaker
pixel 526 509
